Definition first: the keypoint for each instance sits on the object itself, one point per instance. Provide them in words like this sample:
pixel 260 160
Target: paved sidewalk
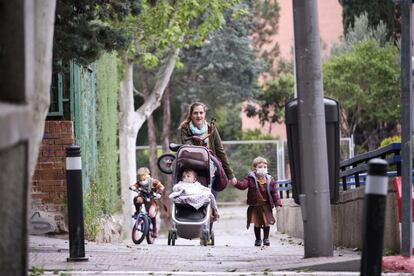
pixel 233 254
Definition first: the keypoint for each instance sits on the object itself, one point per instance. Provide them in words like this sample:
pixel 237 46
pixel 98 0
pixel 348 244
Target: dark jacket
pixel 215 145
pixel 250 183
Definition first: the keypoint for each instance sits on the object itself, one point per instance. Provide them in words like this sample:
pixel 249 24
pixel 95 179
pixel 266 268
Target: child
pixel 262 196
pixel 148 185
pixel 191 192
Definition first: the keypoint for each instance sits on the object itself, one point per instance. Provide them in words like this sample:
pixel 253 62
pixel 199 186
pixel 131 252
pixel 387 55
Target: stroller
pixel 188 222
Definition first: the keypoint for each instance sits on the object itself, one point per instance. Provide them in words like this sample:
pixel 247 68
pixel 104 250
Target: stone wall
pixel 49 180
pixel 347 220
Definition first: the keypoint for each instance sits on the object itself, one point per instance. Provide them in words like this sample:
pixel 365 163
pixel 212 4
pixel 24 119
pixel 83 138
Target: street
pixel 233 253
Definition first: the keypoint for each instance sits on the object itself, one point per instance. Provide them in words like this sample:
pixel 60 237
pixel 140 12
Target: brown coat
pixel 214 144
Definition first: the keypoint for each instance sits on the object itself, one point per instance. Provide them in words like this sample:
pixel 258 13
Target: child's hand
pixel 157 196
pixel 233 181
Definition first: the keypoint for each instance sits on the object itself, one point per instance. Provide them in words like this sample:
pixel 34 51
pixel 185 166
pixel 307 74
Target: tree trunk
pixel 152 138
pixel 130 123
pixel 128 131
pixel 40 99
pixel 167 178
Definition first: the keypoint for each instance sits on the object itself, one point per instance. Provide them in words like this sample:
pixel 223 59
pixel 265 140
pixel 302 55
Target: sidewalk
pixel 233 254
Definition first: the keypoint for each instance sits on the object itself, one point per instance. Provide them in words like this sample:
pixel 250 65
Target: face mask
pixel 144 182
pixel 261 171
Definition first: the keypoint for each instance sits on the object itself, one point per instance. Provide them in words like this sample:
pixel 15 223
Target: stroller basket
pixel 188 215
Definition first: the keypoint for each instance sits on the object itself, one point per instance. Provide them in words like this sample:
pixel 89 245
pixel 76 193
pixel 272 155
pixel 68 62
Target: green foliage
pixel 225 65
pixel 36 271
pixel 82 32
pixel 272 99
pixel 264 17
pixel 360 31
pixel 368 102
pixel 378 10
pixel 241 157
pixel 390 140
pixel 353 79
pixel 92 209
pixel 167 24
pixel 228 122
pixel 107 130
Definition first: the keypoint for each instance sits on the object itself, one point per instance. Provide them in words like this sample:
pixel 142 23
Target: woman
pixel 196 131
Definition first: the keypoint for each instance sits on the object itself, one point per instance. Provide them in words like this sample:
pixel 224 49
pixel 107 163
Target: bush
pixel 390 140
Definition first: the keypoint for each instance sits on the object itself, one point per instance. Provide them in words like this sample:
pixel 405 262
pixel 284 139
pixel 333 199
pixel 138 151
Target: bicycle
pixel 143 227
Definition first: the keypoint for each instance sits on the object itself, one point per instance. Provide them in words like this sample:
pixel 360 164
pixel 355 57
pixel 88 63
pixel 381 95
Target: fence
pixel 241 155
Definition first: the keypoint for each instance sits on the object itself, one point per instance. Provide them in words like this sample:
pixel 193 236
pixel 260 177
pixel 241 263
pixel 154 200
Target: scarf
pixel 197 131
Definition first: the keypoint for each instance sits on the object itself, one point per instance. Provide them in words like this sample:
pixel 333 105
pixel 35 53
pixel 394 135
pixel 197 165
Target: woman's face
pixel 198 116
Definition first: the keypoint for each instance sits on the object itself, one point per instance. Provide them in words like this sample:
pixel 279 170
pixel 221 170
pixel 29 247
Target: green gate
pixel 83 114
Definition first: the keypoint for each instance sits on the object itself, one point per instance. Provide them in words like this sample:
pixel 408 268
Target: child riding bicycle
pixel 147 185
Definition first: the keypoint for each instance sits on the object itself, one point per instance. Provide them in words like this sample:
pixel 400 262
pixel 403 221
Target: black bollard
pixel 374 217
pixel 75 204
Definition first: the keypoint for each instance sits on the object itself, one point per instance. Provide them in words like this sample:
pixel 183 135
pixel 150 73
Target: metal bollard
pixel 374 217
pixel 75 204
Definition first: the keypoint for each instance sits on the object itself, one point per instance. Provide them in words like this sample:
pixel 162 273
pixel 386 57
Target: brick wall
pixel 49 179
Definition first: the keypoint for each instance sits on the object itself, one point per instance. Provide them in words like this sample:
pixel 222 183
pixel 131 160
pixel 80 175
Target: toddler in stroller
pixel 190 191
pixel 192 219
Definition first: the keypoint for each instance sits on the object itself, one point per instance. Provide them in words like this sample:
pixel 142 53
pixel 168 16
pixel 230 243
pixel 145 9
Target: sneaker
pixel 266 242
pixel 257 242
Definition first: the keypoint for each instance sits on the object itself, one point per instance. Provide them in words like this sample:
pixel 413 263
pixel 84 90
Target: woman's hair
pixel 258 160
pixel 190 110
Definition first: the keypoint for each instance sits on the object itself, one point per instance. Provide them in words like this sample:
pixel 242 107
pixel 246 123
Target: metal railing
pixel 354 170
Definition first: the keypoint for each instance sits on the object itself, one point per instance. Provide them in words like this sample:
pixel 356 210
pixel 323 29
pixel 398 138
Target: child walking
pixel 262 196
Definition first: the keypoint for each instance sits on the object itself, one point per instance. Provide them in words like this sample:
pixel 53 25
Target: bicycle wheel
pixel 166 163
pixel 140 229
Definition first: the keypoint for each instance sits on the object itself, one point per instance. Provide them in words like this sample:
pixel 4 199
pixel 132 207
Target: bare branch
pixel 164 75
pixel 138 93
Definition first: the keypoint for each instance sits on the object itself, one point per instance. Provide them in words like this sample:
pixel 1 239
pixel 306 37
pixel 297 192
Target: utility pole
pixel 406 127
pixel 315 200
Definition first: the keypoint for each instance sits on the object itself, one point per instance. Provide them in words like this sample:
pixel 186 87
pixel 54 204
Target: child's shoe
pixel 257 242
pixel 266 242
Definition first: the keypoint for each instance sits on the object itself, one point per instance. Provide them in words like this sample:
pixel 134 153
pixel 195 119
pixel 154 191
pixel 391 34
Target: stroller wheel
pixel 205 239
pixel 172 236
pixel 169 237
pixel 211 238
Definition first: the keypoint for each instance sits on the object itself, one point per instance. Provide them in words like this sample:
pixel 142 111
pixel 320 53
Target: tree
pixel 265 24
pixel 83 30
pixel 377 10
pixel 158 32
pixel 226 66
pixel 361 30
pixel 369 103
pixel 272 100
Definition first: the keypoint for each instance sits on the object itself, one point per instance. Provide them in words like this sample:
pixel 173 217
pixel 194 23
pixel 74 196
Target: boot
pixel 266 231
pixel 154 227
pixel 258 241
pixel 137 210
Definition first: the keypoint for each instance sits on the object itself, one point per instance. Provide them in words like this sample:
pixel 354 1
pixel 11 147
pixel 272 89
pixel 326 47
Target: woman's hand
pixel 233 181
